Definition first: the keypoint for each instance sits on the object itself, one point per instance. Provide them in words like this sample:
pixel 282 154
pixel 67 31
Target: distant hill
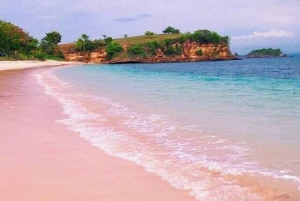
pixel 265 53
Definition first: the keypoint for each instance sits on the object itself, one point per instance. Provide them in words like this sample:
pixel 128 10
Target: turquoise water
pixel 213 128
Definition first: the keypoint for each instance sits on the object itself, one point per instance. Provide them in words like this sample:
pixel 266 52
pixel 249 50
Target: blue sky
pixel 251 24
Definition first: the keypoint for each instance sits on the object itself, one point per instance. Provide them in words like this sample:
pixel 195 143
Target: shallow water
pixel 222 130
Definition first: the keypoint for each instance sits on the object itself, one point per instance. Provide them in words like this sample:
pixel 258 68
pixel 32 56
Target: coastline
pixel 43 160
pixel 14 65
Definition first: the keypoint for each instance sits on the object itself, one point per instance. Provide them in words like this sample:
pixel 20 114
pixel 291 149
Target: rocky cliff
pixel 189 51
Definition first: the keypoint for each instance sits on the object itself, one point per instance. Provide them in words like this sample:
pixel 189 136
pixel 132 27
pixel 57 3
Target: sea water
pixel 226 130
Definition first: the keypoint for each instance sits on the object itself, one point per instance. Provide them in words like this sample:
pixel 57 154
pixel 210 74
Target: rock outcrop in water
pixel 265 53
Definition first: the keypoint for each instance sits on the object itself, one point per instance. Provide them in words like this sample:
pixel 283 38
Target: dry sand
pixel 43 161
pixel 13 65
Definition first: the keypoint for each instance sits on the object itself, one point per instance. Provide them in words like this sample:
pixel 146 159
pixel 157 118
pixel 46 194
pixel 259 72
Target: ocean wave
pixel 185 156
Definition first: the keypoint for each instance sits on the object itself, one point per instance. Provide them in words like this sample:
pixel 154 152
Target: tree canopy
pixel 13 39
pixel 206 36
pixel 49 44
pixel 171 30
pixel 52 38
pixel 85 44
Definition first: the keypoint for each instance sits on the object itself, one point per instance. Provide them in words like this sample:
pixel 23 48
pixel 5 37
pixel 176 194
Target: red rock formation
pixel 211 52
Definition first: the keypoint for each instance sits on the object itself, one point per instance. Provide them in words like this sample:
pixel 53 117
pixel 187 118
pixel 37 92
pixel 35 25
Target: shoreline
pixel 43 160
pixel 15 65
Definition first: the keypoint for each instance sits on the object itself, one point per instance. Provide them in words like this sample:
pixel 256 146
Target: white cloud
pixel 270 33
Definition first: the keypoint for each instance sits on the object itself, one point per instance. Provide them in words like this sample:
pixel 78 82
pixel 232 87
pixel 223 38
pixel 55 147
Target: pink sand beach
pixel 41 160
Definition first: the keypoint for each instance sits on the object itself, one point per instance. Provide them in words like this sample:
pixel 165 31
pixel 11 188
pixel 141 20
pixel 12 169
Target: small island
pixel 266 53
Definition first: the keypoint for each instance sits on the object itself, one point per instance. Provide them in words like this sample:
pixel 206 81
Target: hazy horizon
pixel 251 25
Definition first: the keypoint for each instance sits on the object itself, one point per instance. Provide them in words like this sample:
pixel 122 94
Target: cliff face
pixel 190 51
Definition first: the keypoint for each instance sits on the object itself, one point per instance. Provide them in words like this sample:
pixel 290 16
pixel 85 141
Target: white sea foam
pixel 182 155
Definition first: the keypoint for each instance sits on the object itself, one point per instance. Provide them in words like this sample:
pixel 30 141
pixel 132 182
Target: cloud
pixel 270 33
pixel 131 19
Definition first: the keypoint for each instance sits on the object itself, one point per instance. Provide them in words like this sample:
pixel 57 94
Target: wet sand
pixel 44 161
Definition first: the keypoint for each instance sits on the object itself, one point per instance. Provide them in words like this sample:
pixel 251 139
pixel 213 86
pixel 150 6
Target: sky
pixel 251 24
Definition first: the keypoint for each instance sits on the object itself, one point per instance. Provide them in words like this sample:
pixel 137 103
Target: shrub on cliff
pixel 136 50
pixel 108 40
pixel 113 49
pixel 199 52
pixel 85 44
pixel 153 46
pixel 172 51
pixel 149 33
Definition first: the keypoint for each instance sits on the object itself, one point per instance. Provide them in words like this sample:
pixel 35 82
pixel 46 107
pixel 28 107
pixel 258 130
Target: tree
pixel 31 45
pixel 12 38
pixel 52 38
pixel 84 43
pixel 149 33
pixel 215 38
pixel 50 41
pixel 125 35
pixel 79 44
pixel 172 30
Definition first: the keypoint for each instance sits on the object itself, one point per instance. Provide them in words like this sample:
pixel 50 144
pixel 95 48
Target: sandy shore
pixel 13 65
pixel 43 161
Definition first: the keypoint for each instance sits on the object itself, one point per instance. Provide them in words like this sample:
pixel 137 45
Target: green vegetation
pixel 136 50
pixel 144 39
pixel 199 52
pixel 171 30
pixel 200 36
pixel 153 46
pixel 40 56
pixel 265 53
pixel 170 44
pixel 108 40
pixel 84 44
pixel 149 33
pixel 15 42
pixel 205 36
pixel 113 49
pixel 49 46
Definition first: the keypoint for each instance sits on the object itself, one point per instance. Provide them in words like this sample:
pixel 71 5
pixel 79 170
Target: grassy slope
pixel 144 39
pixel 129 40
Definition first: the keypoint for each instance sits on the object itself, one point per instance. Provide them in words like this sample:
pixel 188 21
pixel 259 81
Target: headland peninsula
pixel 170 46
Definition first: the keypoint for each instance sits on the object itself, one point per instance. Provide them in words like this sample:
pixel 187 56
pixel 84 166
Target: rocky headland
pixel 149 49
